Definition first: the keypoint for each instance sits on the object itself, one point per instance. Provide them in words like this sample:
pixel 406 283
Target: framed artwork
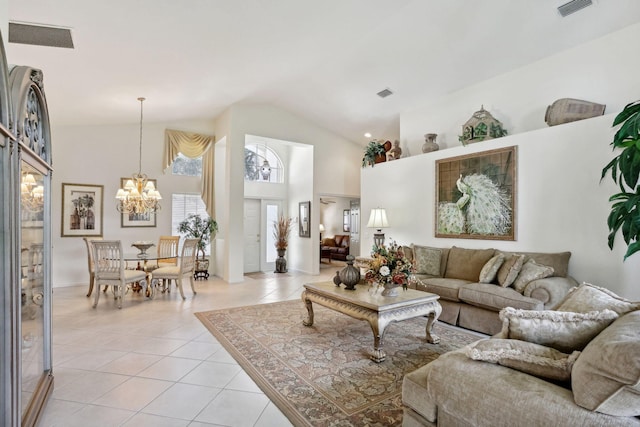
pixel 476 195
pixel 304 219
pixel 346 220
pixel 137 219
pixel 82 210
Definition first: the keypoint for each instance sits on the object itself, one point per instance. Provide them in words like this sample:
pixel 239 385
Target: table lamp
pixel 378 220
pixel 321 227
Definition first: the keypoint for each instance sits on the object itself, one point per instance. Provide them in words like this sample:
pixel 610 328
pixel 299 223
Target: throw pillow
pixel 530 358
pixel 564 331
pixel 606 376
pixel 531 271
pixel 588 297
pixel 426 260
pixel 509 270
pixel 490 269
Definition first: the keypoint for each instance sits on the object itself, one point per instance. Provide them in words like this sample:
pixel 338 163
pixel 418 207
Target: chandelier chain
pixel 141 99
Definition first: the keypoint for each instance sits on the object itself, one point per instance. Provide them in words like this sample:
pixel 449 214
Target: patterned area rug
pixel 322 375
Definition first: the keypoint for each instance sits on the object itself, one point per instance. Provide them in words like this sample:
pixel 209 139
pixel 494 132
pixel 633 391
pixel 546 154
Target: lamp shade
pixel 321 228
pixel 378 218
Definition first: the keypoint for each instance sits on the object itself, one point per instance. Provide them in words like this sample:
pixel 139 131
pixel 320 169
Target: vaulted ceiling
pixel 322 60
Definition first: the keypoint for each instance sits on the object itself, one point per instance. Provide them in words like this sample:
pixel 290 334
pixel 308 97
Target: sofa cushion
pixel 329 241
pixel 466 393
pixel 426 260
pixel 495 298
pixel 466 264
pixel 447 288
pixel 509 271
pixel 531 358
pixel 559 261
pixel 588 297
pixel 564 331
pixel 342 240
pixel 529 272
pixel 606 376
pixel 490 269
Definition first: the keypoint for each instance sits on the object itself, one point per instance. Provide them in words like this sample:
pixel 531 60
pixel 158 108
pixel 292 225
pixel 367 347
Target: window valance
pixel 193 145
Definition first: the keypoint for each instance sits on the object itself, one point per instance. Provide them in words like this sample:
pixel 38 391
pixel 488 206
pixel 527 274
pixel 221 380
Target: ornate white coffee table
pixel 376 309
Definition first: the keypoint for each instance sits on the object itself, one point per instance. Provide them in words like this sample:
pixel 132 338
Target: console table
pixel 376 309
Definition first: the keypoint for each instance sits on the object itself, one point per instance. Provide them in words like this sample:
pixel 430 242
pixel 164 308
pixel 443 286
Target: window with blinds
pixel 183 205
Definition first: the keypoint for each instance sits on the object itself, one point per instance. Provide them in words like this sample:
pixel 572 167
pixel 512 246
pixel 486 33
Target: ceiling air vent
pixel 384 93
pixel 40 35
pixel 573 6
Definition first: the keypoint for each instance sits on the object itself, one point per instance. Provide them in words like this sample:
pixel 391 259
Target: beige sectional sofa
pixel 455 275
pixel 508 380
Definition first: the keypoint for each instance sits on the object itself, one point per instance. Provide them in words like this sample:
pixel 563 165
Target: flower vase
pixel 390 290
pixel 281 262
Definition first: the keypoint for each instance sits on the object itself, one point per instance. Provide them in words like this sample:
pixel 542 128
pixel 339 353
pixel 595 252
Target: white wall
pixel 561 203
pixel 100 156
pixel 335 171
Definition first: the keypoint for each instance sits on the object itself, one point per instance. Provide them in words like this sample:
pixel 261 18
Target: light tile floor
pixel 152 363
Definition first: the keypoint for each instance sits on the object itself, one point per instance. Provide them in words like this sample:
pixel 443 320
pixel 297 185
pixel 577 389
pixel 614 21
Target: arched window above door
pixel 262 164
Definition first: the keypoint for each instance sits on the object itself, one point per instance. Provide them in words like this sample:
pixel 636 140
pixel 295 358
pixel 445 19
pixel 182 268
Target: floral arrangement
pixel 281 230
pixel 389 266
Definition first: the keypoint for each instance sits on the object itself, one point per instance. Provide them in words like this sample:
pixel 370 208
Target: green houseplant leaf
pixel 197 227
pixel 625 172
pixel 371 151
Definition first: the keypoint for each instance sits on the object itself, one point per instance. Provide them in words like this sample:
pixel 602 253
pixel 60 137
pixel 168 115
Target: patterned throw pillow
pixel 588 297
pixel 509 271
pixel 427 260
pixel 531 271
pixel 490 269
pixel 527 357
pixel 564 331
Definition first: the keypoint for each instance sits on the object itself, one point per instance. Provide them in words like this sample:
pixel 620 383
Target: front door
pixel 251 235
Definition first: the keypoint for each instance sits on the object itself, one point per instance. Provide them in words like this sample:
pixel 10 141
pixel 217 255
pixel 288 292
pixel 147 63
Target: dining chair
pixel 90 262
pixel 109 270
pixel 186 265
pixel 168 246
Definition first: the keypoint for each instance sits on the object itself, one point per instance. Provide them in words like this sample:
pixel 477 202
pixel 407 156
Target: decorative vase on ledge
pixel 430 143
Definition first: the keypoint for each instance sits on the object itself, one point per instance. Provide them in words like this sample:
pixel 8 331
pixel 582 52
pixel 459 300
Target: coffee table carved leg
pixel 433 318
pixel 378 328
pixel 309 320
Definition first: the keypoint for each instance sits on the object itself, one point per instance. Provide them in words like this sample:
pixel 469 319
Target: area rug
pixel 322 375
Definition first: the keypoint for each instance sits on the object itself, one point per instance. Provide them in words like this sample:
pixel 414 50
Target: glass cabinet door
pixel 35 365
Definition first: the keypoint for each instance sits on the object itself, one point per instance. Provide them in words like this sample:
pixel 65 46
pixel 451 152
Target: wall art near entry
pixel 82 210
pixel 147 219
pixel 476 195
pixel 304 219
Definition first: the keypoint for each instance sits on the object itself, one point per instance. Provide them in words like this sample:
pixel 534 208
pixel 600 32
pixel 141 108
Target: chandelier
pixel 31 194
pixel 139 195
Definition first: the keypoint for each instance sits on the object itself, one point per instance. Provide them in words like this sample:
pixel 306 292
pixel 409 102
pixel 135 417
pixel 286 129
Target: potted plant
pixel 281 230
pixel 625 171
pixel 374 153
pixel 205 229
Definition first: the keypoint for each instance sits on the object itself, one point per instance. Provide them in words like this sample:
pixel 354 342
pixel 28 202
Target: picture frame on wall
pixel 476 195
pixel 137 220
pixel 304 219
pixel 82 210
pixel 346 220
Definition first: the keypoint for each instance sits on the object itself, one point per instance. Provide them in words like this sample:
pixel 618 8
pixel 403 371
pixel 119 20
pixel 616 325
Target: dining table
pixel 141 261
